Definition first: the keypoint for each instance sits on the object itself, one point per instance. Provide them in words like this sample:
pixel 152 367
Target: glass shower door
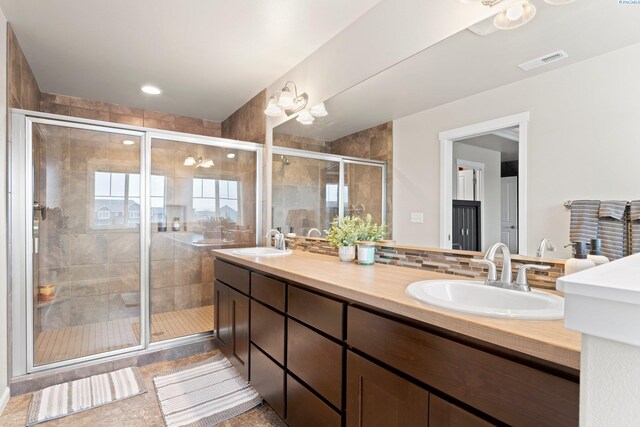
pixel 364 190
pixel 85 240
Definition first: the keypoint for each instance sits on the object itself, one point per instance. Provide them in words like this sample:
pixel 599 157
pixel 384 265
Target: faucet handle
pixel 493 271
pixel 521 280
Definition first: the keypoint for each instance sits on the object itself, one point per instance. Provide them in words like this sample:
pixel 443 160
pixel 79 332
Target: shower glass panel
pixel 364 190
pixel 86 241
pixel 305 193
pixel 202 198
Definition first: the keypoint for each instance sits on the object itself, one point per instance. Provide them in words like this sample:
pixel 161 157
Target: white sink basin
pixel 261 252
pixel 484 300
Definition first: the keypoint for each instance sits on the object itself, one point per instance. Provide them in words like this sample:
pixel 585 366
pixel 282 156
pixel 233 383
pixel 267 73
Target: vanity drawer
pixel 236 277
pixel 317 311
pixel 445 414
pixel 268 291
pixel 316 360
pixel 509 391
pixel 268 380
pixel 267 330
pixel 305 409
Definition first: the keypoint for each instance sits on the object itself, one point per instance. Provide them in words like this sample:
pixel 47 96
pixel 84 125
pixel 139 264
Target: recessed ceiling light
pixel 128 142
pixel 231 156
pixel 151 90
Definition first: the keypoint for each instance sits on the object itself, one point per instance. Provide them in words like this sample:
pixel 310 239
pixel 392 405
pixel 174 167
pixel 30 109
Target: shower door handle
pixel 36 245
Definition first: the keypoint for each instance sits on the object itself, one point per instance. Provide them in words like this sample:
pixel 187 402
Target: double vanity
pixel 329 343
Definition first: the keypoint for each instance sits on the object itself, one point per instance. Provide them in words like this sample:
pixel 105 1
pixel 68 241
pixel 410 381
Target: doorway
pixel 500 146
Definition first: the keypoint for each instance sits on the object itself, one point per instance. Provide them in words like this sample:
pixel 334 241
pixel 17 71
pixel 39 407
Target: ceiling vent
pixel 544 60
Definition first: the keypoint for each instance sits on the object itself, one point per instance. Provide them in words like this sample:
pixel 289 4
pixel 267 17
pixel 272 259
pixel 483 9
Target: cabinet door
pixel 378 397
pixel 222 320
pixel 445 414
pixel 239 347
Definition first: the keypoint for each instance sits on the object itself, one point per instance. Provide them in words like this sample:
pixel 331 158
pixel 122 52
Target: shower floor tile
pixel 67 343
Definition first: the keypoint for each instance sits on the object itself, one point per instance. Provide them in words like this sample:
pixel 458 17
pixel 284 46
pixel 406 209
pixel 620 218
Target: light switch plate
pixel 417 217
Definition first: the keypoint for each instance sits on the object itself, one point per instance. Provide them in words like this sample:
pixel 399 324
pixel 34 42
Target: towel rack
pixel 567 204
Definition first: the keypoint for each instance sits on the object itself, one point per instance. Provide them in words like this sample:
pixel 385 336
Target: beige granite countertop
pixel 382 286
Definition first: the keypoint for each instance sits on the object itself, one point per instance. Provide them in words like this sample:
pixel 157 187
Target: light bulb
pixel 515 12
pixel 285 101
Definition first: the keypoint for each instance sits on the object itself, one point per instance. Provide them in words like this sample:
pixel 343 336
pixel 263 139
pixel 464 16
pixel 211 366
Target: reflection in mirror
pixel 581 124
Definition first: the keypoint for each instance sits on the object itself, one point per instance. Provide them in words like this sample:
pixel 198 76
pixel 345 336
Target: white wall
pixel 609 378
pixel 492 189
pixel 584 142
pixel 4 365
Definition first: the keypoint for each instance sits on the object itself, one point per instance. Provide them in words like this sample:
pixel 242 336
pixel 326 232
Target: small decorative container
pixel 347 253
pixel 366 253
pixel 46 292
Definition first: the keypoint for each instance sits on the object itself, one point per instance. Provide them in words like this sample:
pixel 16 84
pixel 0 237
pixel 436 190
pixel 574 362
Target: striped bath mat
pixel 204 394
pixel 76 396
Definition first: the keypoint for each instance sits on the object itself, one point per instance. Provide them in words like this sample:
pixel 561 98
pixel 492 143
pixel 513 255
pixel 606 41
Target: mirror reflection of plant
pixel 354 229
pixel 368 231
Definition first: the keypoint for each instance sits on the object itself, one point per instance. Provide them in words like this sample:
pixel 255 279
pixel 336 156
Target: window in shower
pixel 215 198
pixel 116 200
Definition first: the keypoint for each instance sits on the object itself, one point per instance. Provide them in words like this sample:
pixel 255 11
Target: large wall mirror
pixel 481 148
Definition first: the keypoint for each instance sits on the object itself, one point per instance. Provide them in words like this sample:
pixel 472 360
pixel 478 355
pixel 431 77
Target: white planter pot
pixel 347 253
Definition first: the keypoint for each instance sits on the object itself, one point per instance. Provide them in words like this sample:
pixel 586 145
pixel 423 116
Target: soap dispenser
pixel 595 254
pixel 579 261
pixel 291 234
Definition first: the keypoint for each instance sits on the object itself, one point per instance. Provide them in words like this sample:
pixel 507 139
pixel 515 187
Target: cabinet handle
pixel 467 231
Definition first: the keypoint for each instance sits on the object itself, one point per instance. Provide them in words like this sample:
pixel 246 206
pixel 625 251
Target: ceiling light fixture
pixel 231 156
pixel 128 142
pixel 151 90
pixel 515 16
pixel 305 117
pixel 287 101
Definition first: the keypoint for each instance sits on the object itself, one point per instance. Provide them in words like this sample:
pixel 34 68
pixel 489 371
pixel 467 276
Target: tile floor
pixel 139 411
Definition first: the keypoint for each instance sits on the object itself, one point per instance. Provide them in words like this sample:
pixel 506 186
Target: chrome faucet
pixel 545 245
pixel 279 241
pixel 506 277
pixel 312 230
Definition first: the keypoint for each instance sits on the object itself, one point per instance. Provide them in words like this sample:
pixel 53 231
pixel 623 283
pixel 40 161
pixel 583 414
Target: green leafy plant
pixel 368 231
pixel 354 229
pixel 345 232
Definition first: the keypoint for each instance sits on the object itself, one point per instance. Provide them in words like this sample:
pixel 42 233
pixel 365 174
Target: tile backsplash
pixel 440 261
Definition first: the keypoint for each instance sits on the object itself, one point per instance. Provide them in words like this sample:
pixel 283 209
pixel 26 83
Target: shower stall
pixel 112 228
pixel 310 189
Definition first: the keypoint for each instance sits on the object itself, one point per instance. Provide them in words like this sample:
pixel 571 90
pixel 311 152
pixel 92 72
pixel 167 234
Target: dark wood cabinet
pixel 321 361
pixel 377 397
pixel 268 379
pixel 445 414
pixel 316 360
pixel 305 409
pixel 268 331
pixel 232 326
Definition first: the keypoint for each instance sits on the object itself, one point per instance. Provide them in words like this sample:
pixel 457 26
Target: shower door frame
pixel 342 161
pixel 21 214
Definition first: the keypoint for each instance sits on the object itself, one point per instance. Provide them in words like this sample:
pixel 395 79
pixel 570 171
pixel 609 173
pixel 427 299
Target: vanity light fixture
pixel 199 162
pixel 128 142
pixel 151 90
pixel 287 101
pixel 515 16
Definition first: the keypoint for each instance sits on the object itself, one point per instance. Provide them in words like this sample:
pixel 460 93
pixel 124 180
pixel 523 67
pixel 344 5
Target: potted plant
pixel 369 234
pixel 344 235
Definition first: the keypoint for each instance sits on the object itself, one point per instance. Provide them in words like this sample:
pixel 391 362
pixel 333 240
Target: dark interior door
pixel 466 225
